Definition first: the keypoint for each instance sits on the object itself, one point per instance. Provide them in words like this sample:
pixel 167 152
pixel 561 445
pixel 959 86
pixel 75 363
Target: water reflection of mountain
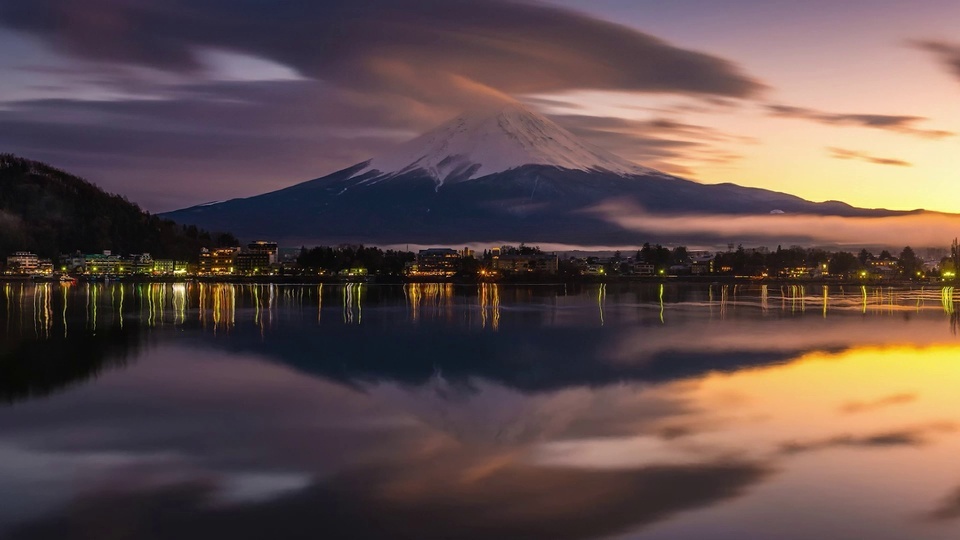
pixel 530 338
pixel 37 368
pixel 540 339
pixel 548 359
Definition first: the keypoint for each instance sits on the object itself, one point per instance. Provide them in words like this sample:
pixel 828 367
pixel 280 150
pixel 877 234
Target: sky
pixel 178 102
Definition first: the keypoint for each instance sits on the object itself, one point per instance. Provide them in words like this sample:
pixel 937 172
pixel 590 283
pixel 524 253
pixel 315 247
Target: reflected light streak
pixel 826 300
pixel 352 303
pixel 65 289
pixel 489 294
pixel 661 303
pixel 601 297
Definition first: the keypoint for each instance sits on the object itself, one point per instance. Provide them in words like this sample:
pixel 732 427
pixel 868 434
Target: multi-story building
pixel 701 264
pixel 106 264
pixel 252 264
pixel 22 263
pixel 218 262
pixel 642 269
pixel 45 267
pixel 442 262
pixel 269 249
pixel 539 263
pixel 168 267
pixel 75 263
pixel 141 264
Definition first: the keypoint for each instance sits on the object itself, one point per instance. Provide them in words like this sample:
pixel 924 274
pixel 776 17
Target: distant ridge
pixel 501 173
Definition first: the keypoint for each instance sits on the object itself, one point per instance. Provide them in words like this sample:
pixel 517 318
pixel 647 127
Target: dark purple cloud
pixel 511 46
pixel 947 53
pixel 371 73
pixel 904 124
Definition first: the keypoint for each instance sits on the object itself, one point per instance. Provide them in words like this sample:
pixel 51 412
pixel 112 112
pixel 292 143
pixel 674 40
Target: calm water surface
pixel 182 411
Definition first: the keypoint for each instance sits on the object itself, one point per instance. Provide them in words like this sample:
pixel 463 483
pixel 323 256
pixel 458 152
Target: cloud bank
pixel 917 229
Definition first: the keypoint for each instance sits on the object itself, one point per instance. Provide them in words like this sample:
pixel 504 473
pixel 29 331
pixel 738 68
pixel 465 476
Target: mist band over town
pixel 547 269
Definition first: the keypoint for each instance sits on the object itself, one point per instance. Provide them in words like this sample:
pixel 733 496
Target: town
pixel 265 260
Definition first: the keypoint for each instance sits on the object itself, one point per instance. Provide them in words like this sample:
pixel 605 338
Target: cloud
pixel 511 46
pixel 863 406
pixel 843 153
pixel 882 440
pixel 660 142
pixel 949 508
pixel 902 124
pixel 915 229
pixel 146 88
pixel 947 53
pixel 916 436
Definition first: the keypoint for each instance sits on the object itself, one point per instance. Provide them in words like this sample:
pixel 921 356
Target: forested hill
pixel 49 211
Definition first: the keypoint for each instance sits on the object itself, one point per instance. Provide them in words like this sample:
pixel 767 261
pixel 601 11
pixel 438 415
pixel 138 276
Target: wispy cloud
pixel 904 124
pixel 947 53
pixel 865 406
pixel 912 436
pixel 662 143
pixel 843 153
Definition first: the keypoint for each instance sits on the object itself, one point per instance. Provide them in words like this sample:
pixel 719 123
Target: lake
pixel 427 411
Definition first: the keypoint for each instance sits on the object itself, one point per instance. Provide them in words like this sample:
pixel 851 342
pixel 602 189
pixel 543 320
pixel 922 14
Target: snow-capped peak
pixel 494 140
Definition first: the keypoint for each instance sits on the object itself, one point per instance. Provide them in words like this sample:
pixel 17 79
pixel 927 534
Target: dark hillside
pixel 49 211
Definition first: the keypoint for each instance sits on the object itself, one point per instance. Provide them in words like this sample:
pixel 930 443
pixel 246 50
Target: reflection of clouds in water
pixel 249 440
pixel 512 502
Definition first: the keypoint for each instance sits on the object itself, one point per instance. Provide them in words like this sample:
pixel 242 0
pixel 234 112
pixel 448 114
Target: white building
pixel 23 263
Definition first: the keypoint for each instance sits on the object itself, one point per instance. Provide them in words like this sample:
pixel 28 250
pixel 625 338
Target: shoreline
pixel 518 280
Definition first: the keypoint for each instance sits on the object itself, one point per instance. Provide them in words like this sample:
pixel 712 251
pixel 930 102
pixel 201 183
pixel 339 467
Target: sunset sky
pixel 179 102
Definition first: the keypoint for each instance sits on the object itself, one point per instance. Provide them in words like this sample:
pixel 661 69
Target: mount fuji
pixel 498 174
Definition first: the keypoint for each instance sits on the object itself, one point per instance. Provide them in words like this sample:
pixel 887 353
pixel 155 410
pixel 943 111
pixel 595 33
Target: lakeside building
pixel 169 267
pixel 218 262
pixel 701 264
pixel 254 263
pixel 73 264
pixel 642 269
pixel 540 263
pixel 436 262
pixel 23 263
pixel 262 247
pixel 106 263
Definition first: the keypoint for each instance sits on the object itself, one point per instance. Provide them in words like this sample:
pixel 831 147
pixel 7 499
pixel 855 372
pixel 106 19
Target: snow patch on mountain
pixel 494 140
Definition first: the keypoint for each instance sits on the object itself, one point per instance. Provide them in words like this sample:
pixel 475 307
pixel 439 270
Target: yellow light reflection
pixel 602 296
pixel 489 295
pixel 353 303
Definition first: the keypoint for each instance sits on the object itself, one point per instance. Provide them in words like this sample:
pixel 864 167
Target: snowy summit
pixel 495 140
